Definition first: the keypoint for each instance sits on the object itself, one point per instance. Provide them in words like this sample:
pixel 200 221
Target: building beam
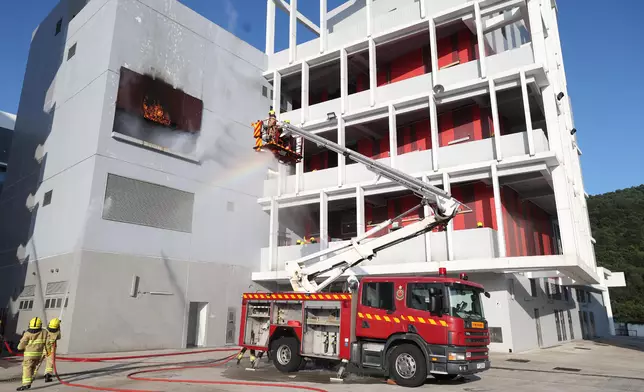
pixel 433 121
pixel 494 107
pixel 292 41
pixel 305 92
pixel 344 80
pixel 277 93
pixel 480 36
pixel 369 17
pixel 324 220
pixel 368 132
pixel 341 158
pixel 373 81
pixel 312 27
pixel 498 209
pixel 433 45
pixel 323 29
pixel 526 111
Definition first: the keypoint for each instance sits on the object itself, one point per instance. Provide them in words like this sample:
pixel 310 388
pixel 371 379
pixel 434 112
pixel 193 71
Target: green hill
pixel 617 221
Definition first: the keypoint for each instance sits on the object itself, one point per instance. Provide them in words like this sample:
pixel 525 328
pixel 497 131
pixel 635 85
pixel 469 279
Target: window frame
pixel 378 290
pixel 408 297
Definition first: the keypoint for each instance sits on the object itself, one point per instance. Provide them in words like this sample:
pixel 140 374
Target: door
pixel 431 327
pixel 537 321
pixel 562 320
pixel 558 325
pixel 230 326
pixel 376 307
pixel 202 324
pixel 592 331
pixel 572 331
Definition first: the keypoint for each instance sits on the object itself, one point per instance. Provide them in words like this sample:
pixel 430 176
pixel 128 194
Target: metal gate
pixel 230 326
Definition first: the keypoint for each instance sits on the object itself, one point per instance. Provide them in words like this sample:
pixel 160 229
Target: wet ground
pixel 611 366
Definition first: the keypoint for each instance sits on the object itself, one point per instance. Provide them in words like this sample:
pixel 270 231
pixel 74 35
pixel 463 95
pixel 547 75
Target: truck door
pixel 431 327
pixel 376 311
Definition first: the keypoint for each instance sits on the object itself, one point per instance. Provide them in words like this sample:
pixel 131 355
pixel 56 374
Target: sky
pixel 602 49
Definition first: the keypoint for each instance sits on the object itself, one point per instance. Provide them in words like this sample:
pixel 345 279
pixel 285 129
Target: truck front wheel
pixel 286 354
pixel 407 366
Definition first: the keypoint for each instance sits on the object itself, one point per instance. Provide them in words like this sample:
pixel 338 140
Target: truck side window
pixel 418 295
pixel 378 295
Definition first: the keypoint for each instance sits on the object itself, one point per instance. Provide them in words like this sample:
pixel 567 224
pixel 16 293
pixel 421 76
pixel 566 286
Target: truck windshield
pixel 465 302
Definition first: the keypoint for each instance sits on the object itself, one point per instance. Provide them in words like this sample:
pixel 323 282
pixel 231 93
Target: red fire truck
pixel 406 327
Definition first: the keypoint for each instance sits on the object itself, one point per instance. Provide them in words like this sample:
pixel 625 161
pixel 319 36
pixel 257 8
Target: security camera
pixel 560 96
pixel 573 131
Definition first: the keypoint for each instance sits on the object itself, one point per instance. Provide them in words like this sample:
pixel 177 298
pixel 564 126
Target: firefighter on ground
pixel 253 358
pixel 33 343
pixel 53 335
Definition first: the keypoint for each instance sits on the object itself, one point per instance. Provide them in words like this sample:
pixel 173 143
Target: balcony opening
pixel 413 132
pixel 319 158
pixel 512 114
pixel 479 197
pixel 358 70
pixel 456 43
pixel 324 82
pixel 299 225
pixel 464 121
pixel 342 220
pixel 505 30
pixel 379 208
pixel 291 95
pixel 403 59
pixel 528 209
pixel 370 139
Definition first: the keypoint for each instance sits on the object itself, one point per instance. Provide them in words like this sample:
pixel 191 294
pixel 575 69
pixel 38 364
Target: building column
pixel 609 310
pixel 433 45
pixel 323 32
pixel 273 236
pixel 281 179
pixel 450 226
pixel 369 17
pixel 495 119
pixel 526 111
pixel 428 244
pixel 433 123
pixel 270 27
pixel 341 158
pixel 305 92
pixel 344 80
pixel 299 167
pixel 292 42
pixel 498 209
pixel 277 93
pixel 373 80
pixel 537 34
pixel 423 9
pixel 480 38
pixel 393 136
pixel 324 220
pixel 360 211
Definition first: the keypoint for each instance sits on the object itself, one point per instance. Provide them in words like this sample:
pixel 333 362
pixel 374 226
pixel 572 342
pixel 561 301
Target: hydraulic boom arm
pixel 334 262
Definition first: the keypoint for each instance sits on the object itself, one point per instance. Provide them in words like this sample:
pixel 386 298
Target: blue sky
pixel 602 48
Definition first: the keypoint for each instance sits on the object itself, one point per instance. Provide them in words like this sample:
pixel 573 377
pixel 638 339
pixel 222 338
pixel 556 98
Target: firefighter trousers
pixel 49 364
pixel 29 366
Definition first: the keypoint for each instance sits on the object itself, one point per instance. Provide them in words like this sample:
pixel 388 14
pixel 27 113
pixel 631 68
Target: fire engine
pixel 405 327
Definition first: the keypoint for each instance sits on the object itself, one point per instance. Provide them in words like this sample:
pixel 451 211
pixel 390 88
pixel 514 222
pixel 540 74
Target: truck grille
pixel 477 337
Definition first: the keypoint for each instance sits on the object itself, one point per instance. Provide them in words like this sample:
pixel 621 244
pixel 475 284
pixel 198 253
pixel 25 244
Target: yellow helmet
pixel 54 323
pixel 35 323
pixel 271 112
pixel 287 121
pixel 479 224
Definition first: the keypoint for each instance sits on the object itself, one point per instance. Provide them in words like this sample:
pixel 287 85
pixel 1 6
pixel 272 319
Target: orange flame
pixel 155 112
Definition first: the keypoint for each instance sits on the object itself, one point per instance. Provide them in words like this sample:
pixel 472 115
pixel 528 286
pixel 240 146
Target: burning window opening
pixel 153 111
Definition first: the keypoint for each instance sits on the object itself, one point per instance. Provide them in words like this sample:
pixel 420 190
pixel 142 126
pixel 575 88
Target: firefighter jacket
pixel 33 343
pixel 52 336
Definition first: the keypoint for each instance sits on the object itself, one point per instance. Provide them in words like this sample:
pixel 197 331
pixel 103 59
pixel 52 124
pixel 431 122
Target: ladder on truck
pixel 330 264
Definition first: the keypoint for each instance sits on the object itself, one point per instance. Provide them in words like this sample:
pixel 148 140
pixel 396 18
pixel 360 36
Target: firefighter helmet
pixel 35 323
pixel 54 323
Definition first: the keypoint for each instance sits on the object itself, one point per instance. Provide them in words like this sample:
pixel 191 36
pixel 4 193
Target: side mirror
pixel 487 295
pixel 434 304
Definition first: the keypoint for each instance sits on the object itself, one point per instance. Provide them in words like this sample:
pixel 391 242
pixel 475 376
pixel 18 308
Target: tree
pixel 617 222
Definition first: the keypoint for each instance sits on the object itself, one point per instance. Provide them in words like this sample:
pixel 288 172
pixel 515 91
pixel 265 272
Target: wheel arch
pixel 403 338
pixel 283 332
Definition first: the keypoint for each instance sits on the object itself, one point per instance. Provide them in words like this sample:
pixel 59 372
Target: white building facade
pixel 470 97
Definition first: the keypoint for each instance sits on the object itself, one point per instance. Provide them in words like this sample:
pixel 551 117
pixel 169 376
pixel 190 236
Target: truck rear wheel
pixel 286 354
pixel 407 366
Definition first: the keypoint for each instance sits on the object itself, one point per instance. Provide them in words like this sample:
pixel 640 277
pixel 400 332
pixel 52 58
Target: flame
pixel 153 111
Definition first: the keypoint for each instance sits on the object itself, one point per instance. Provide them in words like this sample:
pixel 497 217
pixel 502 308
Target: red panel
pixel 407 66
pixel 446 52
pixel 423 134
pixel 384 148
pixel 361 84
pixel 459 220
pixel 382 76
pixel 465 46
pixel 365 147
pixel 478 126
pixel 522 227
pixel 463 126
pixel 445 129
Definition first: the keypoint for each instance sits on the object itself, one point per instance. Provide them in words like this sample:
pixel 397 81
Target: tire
pixel 407 366
pixel 445 377
pixel 286 355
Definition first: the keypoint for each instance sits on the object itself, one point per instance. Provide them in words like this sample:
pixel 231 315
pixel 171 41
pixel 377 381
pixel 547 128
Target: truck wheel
pixel 444 377
pixel 286 355
pixel 407 366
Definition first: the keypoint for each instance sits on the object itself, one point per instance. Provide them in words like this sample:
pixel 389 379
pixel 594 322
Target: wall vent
pixel 56 288
pixel 28 291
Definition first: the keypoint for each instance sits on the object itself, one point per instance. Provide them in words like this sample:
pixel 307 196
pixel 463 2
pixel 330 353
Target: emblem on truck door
pixel 400 294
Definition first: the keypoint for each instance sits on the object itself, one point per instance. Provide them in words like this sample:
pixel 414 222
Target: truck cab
pixel 414 326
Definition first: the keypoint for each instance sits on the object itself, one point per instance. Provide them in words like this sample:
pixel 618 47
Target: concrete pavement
pixel 614 365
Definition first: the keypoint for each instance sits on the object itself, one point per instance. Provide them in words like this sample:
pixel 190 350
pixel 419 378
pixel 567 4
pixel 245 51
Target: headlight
pixel 456 356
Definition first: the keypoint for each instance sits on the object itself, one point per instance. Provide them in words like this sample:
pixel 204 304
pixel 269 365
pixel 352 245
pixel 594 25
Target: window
pixel 47 303
pixel 71 52
pixel 30 304
pixel 66 301
pixel 271 94
pixel 59 26
pixel 418 295
pixel 47 199
pixel 565 293
pixel 533 287
pixel 589 296
pixel 558 325
pixel 547 286
pixel 379 295
pixel 265 91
